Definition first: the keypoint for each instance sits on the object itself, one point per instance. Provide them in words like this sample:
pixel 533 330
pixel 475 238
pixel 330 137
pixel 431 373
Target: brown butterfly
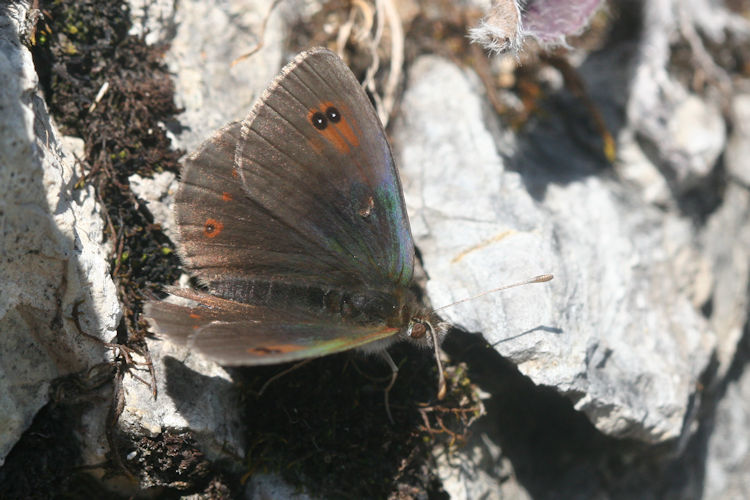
pixel 294 221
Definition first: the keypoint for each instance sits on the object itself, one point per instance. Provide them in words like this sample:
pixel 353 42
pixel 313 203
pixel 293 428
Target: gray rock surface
pixel 209 38
pixel 158 193
pixel 53 267
pixel 738 149
pixel 729 444
pixel 192 394
pixel 154 20
pixel 613 330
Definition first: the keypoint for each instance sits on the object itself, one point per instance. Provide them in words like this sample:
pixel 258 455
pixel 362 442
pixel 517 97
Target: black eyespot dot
pixel 333 114
pixel 319 121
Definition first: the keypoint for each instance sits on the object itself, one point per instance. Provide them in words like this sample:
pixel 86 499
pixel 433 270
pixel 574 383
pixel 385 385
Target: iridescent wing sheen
pixel 275 198
pixel 233 333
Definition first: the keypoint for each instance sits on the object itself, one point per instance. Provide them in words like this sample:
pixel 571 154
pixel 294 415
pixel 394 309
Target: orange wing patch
pixel 226 196
pixel 274 349
pixel 212 228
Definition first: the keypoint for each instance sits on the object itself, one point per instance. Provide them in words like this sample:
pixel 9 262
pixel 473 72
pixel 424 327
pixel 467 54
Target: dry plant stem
pixel 261 35
pixel 151 370
pixel 369 82
pixel 345 31
pixel 443 429
pixel 442 388
pixel 482 68
pixel 115 410
pixel 575 84
pixel 460 413
pixel 397 60
pixel 386 12
pixel 702 58
pixel 369 377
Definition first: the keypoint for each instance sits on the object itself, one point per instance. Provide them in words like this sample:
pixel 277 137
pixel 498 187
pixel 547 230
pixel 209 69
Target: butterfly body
pixel 294 221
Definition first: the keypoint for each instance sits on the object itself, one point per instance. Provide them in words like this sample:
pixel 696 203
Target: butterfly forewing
pixel 226 237
pixel 337 189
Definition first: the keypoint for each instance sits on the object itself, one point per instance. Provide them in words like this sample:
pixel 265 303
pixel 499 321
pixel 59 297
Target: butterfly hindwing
pixel 233 333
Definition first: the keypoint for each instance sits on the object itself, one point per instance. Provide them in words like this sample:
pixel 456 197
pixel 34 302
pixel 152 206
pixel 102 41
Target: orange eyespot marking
pixel 195 316
pixel 212 228
pixel 274 349
pixel 333 123
pixel 226 196
pixel 235 174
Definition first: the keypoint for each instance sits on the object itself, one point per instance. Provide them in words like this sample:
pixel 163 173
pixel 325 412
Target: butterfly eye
pixel 320 121
pixel 333 114
pixel 417 330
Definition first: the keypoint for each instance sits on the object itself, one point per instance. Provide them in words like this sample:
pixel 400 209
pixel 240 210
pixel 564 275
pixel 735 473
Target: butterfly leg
pixel 281 374
pixel 394 375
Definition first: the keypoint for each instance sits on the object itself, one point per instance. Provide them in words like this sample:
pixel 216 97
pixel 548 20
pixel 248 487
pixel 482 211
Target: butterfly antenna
pixel 536 279
pixel 441 376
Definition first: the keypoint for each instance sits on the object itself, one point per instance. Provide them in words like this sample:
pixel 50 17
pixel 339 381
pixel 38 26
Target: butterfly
pixel 294 221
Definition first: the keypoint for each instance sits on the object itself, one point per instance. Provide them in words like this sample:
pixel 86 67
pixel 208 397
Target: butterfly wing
pixel 233 333
pixel 276 198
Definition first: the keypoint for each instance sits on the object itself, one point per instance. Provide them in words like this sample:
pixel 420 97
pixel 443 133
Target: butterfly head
pixel 427 330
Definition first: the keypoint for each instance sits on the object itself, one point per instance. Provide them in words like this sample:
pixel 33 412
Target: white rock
pixel 152 19
pixel 695 137
pixel 263 486
pixel 478 471
pixel 192 393
pixel 726 242
pixel 635 167
pixel 158 193
pixel 737 157
pixel 613 330
pixel 209 38
pixel 686 134
pixel 53 259
pixel 728 454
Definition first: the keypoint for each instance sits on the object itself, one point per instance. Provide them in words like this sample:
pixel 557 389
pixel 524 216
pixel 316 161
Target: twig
pixel 261 35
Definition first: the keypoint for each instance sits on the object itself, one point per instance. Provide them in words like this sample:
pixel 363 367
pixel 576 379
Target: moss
pixel 113 91
pixel 324 426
